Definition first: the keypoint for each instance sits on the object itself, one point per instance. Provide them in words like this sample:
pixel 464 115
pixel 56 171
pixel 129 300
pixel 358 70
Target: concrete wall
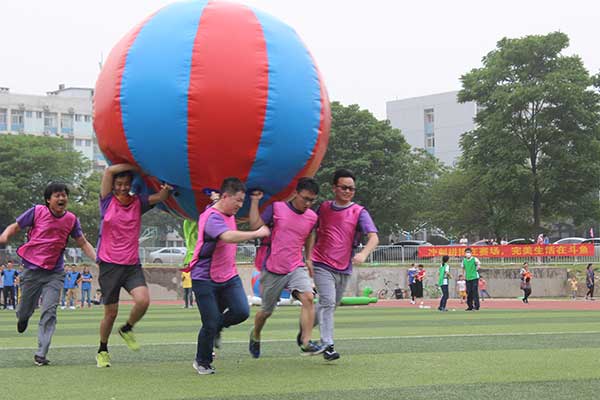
pixel 165 282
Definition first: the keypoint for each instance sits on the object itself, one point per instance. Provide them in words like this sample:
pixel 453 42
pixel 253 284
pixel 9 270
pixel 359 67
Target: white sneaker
pixel 412 302
pixel 202 370
pixel 62 307
pixel 72 308
pixel 11 308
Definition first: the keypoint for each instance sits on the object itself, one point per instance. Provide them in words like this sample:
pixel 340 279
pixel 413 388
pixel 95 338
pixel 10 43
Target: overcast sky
pixel 369 52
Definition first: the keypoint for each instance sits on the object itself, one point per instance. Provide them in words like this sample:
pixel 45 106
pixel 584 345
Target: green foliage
pixel 537 140
pixel 28 164
pixel 84 202
pixel 391 179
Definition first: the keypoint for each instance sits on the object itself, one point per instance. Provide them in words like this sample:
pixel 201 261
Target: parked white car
pixel 168 255
pixel 570 240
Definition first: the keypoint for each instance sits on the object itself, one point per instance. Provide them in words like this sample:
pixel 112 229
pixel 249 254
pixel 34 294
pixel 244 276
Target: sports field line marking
pixel 81 346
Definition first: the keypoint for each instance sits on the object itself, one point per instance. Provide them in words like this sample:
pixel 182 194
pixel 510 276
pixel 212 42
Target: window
pixel 17 118
pixel 430 142
pixel 78 142
pixel 428 119
pixel 88 143
pixel 87 118
pixel 66 123
pixel 50 123
pixel 2 119
pixel 29 114
pixel 77 117
pixel 39 114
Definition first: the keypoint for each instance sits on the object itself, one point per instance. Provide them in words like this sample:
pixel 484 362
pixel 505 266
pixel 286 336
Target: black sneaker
pixel 22 325
pixel 40 361
pixel 329 354
pixel 311 349
pixel 253 345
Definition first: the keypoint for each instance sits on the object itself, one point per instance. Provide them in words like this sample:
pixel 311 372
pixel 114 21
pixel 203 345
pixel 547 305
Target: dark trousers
pixel 526 294
pixel 221 305
pixel 187 297
pixel 589 293
pixel 473 294
pixel 444 298
pixel 9 296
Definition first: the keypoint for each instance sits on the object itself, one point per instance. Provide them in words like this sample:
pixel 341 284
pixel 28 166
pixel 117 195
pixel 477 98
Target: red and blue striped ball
pixel 204 90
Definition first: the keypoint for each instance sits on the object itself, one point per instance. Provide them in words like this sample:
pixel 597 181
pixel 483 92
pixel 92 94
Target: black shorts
pixel 113 277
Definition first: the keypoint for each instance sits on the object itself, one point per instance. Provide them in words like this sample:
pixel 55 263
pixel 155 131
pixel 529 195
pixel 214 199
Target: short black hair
pixel 232 185
pixel 123 174
pixel 468 249
pixel 342 173
pixel 445 259
pixel 308 184
pixel 55 187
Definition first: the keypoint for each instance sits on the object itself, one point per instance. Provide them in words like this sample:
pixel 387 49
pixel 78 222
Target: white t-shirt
pixel 462 285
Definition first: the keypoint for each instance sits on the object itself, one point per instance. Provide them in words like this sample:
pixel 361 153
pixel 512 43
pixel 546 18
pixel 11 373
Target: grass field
pixel 387 353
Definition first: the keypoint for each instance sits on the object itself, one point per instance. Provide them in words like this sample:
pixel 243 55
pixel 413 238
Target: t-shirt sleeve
pixel 215 226
pixel 267 215
pixel 104 203
pixel 145 203
pixel 26 219
pixel 365 222
pixel 76 231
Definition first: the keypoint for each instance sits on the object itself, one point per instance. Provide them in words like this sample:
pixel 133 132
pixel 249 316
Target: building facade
pixel 434 123
pixel 65 113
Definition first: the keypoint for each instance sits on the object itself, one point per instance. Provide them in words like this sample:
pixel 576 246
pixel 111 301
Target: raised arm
pixel 161 195
pixel 254 215
pixel 8 232
pixel 108 177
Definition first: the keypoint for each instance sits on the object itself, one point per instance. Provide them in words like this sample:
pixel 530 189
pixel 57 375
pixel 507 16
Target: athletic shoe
pixel 253 345
pixel 218 340
pixel 330 354
pixel 412 302
pixel 129 339
pixel 103 359
pixel 62 307
pixel 311 349
pixel 469 309
pixel 22 325
pixel 40 361
pixel 72 308
pixel 203 369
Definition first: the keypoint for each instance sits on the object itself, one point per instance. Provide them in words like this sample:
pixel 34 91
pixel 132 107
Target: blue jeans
pixel 444 298
pixel 213 299
pixel 86 293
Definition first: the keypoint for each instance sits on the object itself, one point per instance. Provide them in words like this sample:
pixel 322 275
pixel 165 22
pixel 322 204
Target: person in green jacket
pixel 471 267
pixel 443 281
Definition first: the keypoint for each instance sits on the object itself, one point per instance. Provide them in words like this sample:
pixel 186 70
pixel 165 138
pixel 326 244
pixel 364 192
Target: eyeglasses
pixel 344 188
pixel 308 200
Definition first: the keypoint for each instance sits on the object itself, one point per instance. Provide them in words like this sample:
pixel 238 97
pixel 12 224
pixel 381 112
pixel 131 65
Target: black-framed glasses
pixel 345 188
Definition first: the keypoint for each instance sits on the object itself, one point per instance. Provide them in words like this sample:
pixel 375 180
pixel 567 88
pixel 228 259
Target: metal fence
pixel 382 255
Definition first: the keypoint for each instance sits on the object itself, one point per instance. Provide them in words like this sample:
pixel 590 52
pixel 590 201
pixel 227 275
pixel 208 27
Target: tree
pixel 28 164
pixel 391 179
pixel 84 202
pixel 537 139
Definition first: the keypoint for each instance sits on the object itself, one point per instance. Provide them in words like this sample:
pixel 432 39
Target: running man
pixel 471 267
pixel 218 289
pixel 340 222
pixel 118 253
pixel 292 226
pixel 49 227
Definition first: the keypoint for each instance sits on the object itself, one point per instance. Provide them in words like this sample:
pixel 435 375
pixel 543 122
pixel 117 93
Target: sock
pixel 103 347
pixel 126 327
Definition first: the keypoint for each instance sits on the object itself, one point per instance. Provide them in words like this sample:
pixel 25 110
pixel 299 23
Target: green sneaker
pixel 129 339
pixel 103 359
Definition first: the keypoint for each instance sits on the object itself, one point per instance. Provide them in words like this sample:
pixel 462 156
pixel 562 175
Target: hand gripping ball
pixel 204 90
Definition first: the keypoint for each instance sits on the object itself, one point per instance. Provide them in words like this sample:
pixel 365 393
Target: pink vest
pixel 290 231
pixel 335 235
pixel 119 238
pixel 47 238
pixel 222 265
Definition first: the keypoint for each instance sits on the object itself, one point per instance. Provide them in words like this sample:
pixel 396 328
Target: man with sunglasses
pixel 292 228
pixel 341 222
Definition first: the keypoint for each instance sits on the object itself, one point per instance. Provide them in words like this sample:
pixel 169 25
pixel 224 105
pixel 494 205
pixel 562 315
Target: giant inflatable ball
pixel 204 90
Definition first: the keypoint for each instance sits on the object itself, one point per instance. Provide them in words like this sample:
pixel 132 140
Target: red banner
pixel 499 251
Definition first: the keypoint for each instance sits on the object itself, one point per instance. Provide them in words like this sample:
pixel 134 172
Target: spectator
pixel 573 284
pixel 524 273
pixel 483 288
pixel 2 303
pixel 526 287
pixel 411 274
pixel 419 281
pixel 471 267
pixel 69 287
pixel 461 288
pixel 97 298
pixel 86 286
pixel 463 241
pixel 589 282
pixel 186 284
pixel 9 275
pixel 443 281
